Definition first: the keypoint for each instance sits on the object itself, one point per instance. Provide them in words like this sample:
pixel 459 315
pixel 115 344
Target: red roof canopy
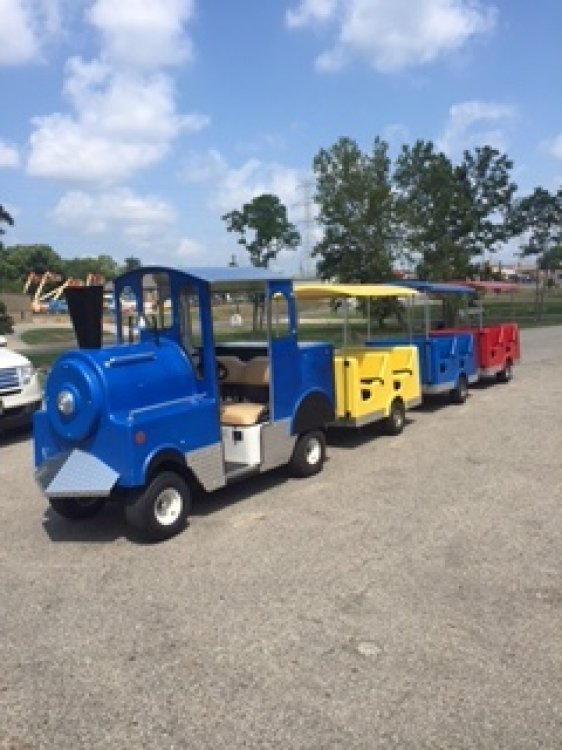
pixel 491 286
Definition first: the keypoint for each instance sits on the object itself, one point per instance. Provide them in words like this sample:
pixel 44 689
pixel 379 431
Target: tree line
pixel 441 220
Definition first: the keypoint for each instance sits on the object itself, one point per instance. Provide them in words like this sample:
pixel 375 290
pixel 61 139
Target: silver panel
pixel 440 388
pixel 488 372
pixel 374 416
pixel 208 466
pixel 413 402
pixel 277 444
pixel 473 378
pixel 77 474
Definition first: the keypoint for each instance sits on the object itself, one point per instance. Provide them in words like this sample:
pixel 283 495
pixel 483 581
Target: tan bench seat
pixel 251 382
pixel 242 414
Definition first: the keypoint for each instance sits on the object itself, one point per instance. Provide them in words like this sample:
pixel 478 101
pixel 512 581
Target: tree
pixel 537 218
pixel 357 212
pixel 434 204
pixel 264 230
pixel 6 219
pixel 131 263
pixel 487 175
pixel 6 322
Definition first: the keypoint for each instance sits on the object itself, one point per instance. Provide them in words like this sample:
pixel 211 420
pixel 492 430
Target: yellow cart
pixel 370 384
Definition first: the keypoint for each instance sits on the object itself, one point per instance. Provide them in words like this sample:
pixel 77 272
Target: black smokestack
pixel 85 305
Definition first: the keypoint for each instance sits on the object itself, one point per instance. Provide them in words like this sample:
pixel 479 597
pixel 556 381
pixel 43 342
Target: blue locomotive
pixel 168 408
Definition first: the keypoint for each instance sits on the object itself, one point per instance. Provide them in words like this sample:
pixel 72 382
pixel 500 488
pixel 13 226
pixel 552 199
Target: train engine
pixel 166 410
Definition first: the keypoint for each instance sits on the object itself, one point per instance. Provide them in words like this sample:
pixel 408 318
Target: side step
pixel 235 471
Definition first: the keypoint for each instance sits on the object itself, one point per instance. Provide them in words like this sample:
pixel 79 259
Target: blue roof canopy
pixel 219 277
pixel 430 287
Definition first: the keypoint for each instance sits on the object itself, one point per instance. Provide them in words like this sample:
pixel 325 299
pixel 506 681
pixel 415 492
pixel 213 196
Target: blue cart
pixel 448 361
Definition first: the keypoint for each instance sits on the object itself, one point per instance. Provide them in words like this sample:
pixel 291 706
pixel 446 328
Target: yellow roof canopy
pixel 323 291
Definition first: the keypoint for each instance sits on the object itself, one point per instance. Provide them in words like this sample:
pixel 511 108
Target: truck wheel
pixel 309 454
pixel 77 509
pixel 394 423
pixel 160 510
pixel 505 375
pixel 460 393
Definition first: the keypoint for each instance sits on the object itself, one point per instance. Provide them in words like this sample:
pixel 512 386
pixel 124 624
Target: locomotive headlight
pixel 66 403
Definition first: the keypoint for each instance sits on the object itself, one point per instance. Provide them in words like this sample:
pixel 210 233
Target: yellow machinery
pixel 371 384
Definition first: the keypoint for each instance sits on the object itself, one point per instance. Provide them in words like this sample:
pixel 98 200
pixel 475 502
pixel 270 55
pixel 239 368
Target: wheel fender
pixel 168 458
pixel 314 411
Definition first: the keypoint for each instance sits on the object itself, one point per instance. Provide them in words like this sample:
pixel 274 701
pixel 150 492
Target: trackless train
pixel 172 407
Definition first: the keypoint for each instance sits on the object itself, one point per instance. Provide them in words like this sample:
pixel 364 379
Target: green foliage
pixel 6 322
pixel 263 229
pixel 357 211
pixel 538 217
pixel 6 219
pixel 487 175
pixel 434 205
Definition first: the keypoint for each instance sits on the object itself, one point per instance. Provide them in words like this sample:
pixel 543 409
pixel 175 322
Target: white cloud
pixel 189 250
pixel 123 111
pixel 25 27
pixel 120 210
pixel 392 35
pixel 124 122
pixel 460 132
pixel 205 167
pixel 239 185
pixel 311 11
pixel 9 156
pixel 143 34
pixel 554 147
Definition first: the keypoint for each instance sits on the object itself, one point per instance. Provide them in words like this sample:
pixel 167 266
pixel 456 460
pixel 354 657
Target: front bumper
pixel 76 474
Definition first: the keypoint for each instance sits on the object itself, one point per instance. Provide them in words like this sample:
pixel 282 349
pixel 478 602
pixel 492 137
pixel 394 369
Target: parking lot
pixel 409 596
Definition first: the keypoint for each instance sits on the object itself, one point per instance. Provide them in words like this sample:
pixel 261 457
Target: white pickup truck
pixel 20 390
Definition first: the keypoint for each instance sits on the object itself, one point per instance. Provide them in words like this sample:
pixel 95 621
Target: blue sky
pixel 129 127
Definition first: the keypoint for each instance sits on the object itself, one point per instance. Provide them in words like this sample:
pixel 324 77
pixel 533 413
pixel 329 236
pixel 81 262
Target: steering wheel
pixel 222 372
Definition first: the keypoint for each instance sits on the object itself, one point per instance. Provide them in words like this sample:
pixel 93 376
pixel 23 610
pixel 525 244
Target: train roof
pixel 431 287
pixel 321 291
pixel 492 286
pixel 219 277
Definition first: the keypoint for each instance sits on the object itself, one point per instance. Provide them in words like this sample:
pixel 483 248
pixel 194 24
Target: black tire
pixel 309 454
pixel 161 509
pixel 77 509
pixel 396 420
pixel 460 393
pixel 505 375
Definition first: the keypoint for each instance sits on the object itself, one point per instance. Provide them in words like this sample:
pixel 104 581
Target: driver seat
pixel 254 389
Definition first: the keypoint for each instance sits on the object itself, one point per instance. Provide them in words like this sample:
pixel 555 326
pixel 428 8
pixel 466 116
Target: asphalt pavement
pixel 409 596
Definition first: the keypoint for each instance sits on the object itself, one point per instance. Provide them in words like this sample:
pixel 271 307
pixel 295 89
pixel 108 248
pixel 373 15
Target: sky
pixel 129 127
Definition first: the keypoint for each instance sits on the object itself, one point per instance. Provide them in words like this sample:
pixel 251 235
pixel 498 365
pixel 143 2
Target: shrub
pixel 6 322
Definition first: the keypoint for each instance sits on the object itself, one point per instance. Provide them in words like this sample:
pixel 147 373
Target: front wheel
pixel 160 511
pixel 505 375
pixel 394 423
pixel 309 454
pixel 460 393
pixel 77 509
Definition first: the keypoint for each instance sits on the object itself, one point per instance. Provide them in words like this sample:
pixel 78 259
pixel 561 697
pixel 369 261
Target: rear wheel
pixel 460 393
pixel 309 454
pixel 505 375
pixel 77 509
pixel 394 423
pixel 160 511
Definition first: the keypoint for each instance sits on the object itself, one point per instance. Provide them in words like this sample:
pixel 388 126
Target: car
pixel 20 389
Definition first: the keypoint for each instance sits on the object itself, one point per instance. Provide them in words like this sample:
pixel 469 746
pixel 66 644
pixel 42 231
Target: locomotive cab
pixel 179 401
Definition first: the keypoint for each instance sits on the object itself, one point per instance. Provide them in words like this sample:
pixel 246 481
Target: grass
pixel 38 336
